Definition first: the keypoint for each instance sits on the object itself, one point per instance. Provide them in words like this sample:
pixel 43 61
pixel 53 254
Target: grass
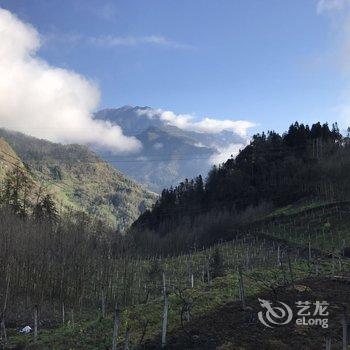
pixel 325 229
pixel 295 209
pixel 260 274
pixel 97 333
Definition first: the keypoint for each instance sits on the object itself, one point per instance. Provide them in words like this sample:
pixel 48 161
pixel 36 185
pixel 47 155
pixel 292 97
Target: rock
pixel 26 330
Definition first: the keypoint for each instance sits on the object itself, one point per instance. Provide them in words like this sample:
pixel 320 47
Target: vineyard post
pixel 165 312
pixel 116 327
pixel 241 287
pixel 103 303
pixel 290 268
pixel 208 274
pixel 309 251
pixel 35 323
pixel 2 316
pixel 328 342
pixel 345 328
pixel 63 313
pixel 278 256
pixel 3 329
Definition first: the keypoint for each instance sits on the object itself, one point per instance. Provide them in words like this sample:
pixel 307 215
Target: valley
pixel 174 175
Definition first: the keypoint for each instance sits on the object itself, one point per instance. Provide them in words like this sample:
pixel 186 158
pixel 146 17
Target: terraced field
pixel 275 258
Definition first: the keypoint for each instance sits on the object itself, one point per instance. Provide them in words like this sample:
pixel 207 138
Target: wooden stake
pixel 165 313
pixel 2 315
pixel 328 343
pixel 309 251
pixel 345 329
pixel 290 269
pixel 241 287
pixel 63 314
pixel 116 327
pixel 103 303
pixel 278 256
pixel 35 323
pixel 3 329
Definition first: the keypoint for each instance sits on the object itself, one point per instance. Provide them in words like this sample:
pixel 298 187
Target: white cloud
pixel 206 125
pixel 113 41
pixel 331 5
pixel 225 153
pixel 46 101
pixel 110 41
pixel 209 125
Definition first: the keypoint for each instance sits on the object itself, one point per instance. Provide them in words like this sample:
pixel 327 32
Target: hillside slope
pixel 305 163
pixel 78 178
pixel 8 155
pixel 216 318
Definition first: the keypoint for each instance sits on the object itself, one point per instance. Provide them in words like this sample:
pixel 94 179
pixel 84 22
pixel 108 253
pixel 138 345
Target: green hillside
pixel 273 267
pixel 77 178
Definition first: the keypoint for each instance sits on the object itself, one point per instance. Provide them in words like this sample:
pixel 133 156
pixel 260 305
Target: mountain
pixel 77 177
pixel 169 154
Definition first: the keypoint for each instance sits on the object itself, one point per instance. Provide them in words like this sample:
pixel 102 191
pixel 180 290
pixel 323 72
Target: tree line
pixel 304 163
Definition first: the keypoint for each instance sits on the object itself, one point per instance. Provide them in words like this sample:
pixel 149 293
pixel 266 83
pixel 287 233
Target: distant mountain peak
pixel 169 153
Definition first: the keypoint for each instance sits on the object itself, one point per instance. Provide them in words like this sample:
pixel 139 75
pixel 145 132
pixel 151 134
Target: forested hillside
pixel 75 177
pixel 305 164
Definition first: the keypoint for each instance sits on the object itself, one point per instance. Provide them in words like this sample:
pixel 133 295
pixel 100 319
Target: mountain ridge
pixel 80 179
pixel 198 150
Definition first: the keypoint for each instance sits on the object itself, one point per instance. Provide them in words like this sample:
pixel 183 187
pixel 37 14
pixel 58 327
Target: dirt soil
pixel 231 327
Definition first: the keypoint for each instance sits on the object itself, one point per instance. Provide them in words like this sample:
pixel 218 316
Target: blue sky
pixel 267 61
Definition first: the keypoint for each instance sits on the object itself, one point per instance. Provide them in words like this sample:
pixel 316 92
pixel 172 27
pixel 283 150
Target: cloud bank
pixel 206 125
pixel 224 153
pixel 45 101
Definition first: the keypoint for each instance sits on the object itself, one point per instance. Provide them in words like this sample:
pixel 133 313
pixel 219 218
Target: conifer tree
pixel 216 264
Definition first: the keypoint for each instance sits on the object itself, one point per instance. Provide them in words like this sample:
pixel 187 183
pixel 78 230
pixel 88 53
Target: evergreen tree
pixel 16 191
pixel 45 209
pixel 216 264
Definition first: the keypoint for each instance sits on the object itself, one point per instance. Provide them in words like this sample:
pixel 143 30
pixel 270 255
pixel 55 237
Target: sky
pixel 265 62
